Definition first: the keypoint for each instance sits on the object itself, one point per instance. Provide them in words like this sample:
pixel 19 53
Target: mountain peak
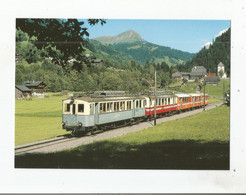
pixel 125 37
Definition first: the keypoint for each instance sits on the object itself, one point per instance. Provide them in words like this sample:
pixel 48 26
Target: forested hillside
pixel 60 53
pixel 44 52
pixel 144 51
pixel 219 51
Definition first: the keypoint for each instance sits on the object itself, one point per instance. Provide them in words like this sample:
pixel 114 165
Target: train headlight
pixel 80 124
pixel 63 123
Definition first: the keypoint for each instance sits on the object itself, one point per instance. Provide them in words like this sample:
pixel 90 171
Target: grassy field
pixel 38 119
pixel 210 89
pixel 197 142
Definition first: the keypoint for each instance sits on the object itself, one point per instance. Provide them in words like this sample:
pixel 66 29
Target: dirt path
pixel 118 132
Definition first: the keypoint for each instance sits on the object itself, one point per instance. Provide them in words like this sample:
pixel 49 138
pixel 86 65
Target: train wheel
pixel 74 133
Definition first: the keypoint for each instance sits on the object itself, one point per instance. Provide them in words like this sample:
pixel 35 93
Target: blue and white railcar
pixel 84 114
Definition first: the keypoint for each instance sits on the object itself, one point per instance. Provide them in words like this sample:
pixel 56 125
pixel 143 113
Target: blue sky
pixel 185 35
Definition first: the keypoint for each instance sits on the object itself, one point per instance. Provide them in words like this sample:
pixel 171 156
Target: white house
pixel 221 67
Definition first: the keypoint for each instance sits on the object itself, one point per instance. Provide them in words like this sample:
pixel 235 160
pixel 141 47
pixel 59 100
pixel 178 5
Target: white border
pixel 60 181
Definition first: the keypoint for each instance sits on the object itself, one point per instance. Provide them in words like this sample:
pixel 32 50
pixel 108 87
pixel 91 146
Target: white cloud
pixel 207 45
pixel 221 32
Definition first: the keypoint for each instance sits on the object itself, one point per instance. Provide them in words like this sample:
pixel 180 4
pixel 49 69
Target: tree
pixel 65 36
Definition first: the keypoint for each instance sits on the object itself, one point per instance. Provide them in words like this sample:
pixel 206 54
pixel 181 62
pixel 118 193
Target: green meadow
pixel 38 119
pixel 196 142
pixel 212 90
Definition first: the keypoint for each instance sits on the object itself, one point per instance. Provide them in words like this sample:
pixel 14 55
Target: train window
pixel 123 106
pixel 144 103
pixel 74 106
pixel 136 103
pixel 108 107
pixel 91 109
pixel 81 108
pixel 67 108
pixel 111 107
pixel 101 108
pixel 129 105
pixel 140 103
pixel 116 106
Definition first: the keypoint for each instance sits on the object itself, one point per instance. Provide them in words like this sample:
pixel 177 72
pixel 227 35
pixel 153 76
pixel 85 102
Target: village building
pixel 212 80
pixel 185 75
pixel 96 61
pixel 221 71
pixel 177 76
pixel 198 72
pixel 37 87
pixel 21 91
pixel 211 75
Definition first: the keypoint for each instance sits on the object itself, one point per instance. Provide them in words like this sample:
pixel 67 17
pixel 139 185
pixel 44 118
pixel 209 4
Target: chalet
pixel 198 72
pixel 96 61
pixel 212 80
pixel 185 75
pixel 177 76
pixel 37 87
pixel 21 91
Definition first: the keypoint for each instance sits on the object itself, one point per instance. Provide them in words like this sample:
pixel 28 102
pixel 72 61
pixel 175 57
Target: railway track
pixel 66 142
pixel 22 149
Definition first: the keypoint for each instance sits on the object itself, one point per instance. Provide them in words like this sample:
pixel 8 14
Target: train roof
pixel 195 94
pixel 164 95
pixel 182 95
pixel 105 99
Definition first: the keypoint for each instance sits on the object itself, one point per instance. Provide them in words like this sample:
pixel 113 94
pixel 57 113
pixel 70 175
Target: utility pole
pixel 223 92
pixel 155 101
pixel 204 84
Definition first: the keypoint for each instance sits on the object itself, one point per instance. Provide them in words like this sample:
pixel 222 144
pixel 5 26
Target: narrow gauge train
pixel 114 108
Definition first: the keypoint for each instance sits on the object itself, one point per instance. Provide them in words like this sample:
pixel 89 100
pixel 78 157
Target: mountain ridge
pixel 128 36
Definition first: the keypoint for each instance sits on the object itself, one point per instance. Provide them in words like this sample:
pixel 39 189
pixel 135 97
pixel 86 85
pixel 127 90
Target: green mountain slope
pixel 131 45
pixel 128 36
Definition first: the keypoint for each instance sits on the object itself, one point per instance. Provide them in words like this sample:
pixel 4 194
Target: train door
pixel 181 102
pixel 96 114
pixel 74 109
pixel 134 109
pixel 73 118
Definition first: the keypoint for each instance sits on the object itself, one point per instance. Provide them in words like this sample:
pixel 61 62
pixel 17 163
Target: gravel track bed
pixel 117 132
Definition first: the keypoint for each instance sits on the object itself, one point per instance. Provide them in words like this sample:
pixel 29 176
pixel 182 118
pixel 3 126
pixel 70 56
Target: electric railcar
pixel 83 114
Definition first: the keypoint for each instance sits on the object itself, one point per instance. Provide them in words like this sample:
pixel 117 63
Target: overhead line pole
pixel 155 101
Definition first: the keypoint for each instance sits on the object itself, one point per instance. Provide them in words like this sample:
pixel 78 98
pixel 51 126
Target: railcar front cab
pixel 77 115
pixel 85 114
